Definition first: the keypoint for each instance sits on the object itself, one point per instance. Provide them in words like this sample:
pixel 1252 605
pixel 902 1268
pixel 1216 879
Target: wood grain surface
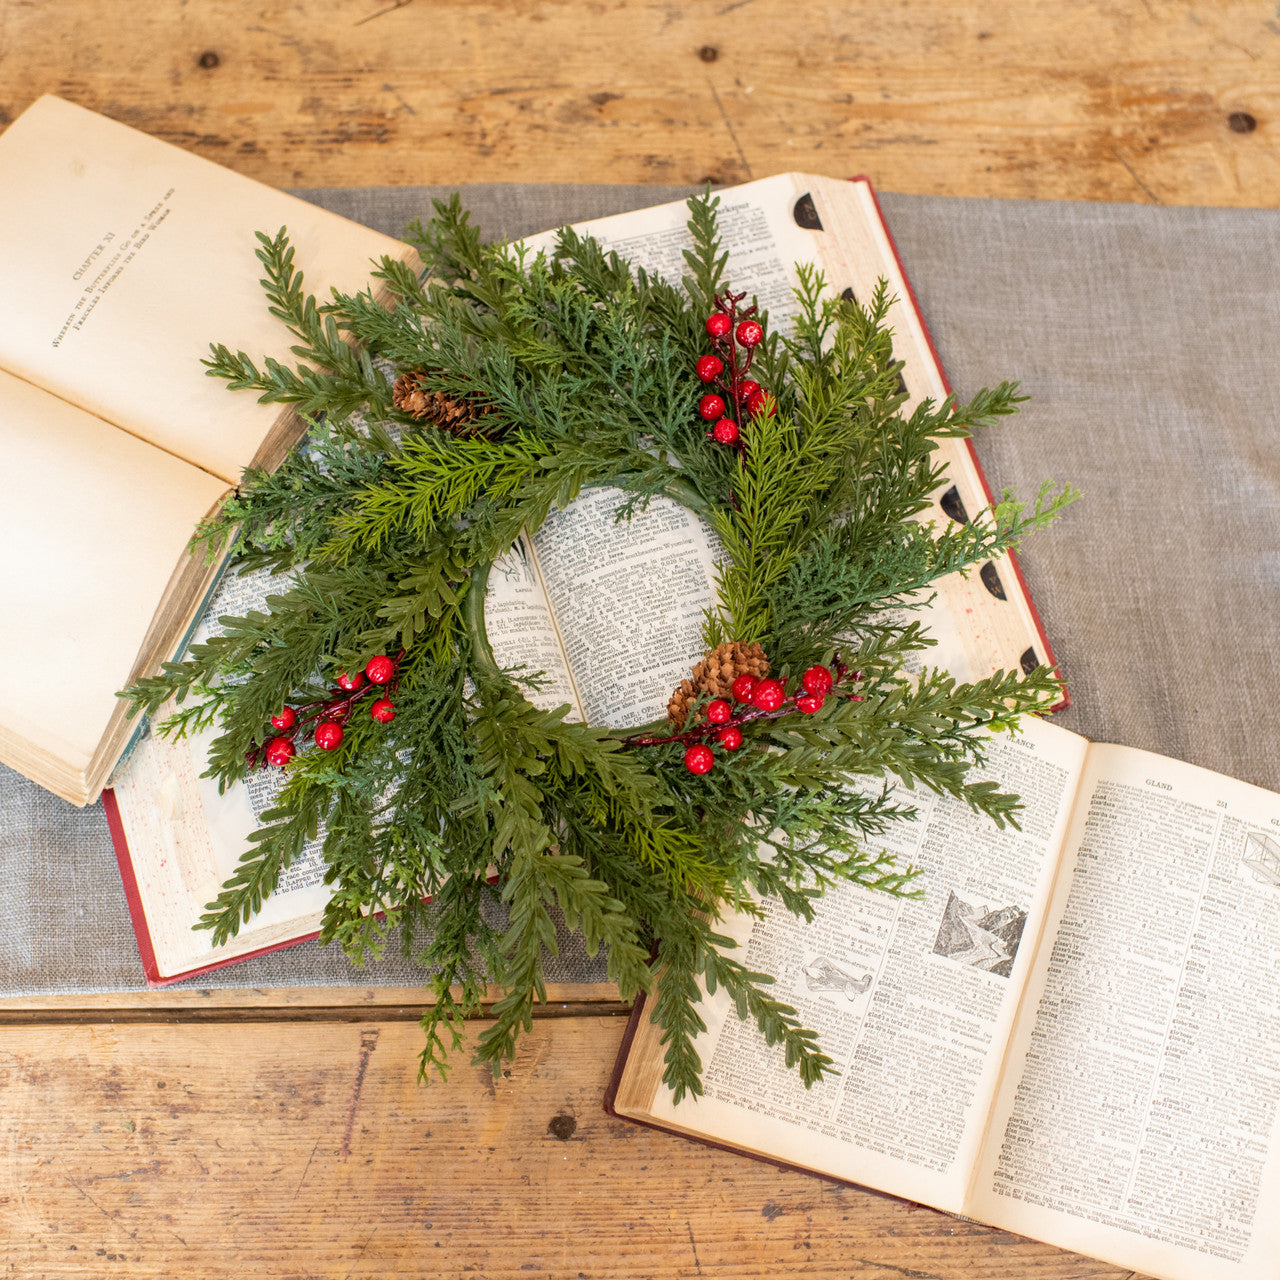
pixel 310 1150
pixel 202 1134
pixel 1164 101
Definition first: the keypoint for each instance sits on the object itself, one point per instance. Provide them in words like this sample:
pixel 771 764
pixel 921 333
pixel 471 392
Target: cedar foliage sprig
pixel 384 528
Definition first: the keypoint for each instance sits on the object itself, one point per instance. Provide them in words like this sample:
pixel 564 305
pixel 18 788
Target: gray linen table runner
pixel 1148 339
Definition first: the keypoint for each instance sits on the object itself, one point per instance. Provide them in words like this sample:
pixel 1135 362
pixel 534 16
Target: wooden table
pixel 282 1133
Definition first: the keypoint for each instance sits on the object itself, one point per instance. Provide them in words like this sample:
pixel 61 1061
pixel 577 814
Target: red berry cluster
pixel 330 715
pixel 762 700
pixel 735 335
pixel 758 700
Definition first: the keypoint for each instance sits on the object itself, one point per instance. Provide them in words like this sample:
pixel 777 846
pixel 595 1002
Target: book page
pixel 757 230
pixel 185 838
pixel 628 599
pixel 913 999
pixel 122 258
pixel 982 623
pixel 1138 1120
pixel 93 522
pixel 523 635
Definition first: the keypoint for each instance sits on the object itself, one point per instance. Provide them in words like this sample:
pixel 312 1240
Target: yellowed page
pixel 757 230
pixel 92 522
pixel 186 837
pixel 985 621
pixel 122 258
pixel 1139 1117
pixel 913 999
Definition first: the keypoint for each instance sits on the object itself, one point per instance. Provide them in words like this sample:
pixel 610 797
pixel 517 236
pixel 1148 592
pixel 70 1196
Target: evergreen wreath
pixel 456 414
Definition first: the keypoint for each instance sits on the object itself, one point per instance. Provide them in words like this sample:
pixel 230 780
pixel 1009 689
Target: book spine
pixel 130 881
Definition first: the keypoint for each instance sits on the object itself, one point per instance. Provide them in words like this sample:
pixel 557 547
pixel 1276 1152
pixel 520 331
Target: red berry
pixel 718 324
pixel 749 332
pixel 731 738
pixel 350 682
pixel 761 402
pixel 284 719
pixel 699 759
pixel 711 406
pixel 719 711
pixel 279 751
pixel 768 695
pixel 809 703
pixel 725 431
pixel 743 687
pixel 383 711
pixel 817 680
pixel 709 367
pixel 328 735
pixel 380 669
pixel 748 388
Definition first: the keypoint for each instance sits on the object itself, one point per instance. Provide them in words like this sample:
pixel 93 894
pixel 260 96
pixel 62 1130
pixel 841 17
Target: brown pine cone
pixel 715 675
pixel 463 417
pixel 725 663
pixel 680 702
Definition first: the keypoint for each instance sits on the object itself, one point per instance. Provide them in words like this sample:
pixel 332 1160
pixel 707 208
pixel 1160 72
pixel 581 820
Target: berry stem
pixel 728 303
pixel 738 719
pixel 338 706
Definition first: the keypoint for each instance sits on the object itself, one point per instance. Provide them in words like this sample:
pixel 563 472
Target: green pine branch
pixel 276 845
pixel 334 378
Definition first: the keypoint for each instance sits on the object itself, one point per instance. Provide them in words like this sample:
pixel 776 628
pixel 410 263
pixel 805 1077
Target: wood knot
pixel 708 53
pixel 562 1126
pixel 1241 122
pixel 208 60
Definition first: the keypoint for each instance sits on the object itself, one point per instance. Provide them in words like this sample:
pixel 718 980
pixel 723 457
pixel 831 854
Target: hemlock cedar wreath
pixel 446 422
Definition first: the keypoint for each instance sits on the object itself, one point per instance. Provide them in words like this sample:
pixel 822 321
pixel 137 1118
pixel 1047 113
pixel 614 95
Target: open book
pixel 178 839
pixel 1073 1035
pixel 120 258
pixel 604 616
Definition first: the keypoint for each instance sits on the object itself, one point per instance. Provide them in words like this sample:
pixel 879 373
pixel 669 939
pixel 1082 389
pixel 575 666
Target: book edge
pixel 913 302
pixel 160 981
pixel 132 896
pixel 620 1061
